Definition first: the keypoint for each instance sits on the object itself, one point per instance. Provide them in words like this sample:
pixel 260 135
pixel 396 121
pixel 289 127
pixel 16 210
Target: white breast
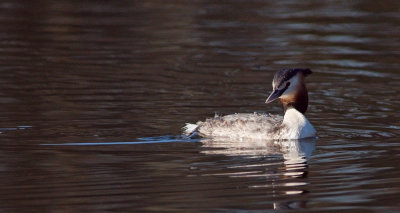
pixel 296 126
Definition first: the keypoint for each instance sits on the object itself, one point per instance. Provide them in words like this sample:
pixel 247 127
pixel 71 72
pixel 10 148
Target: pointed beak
pixel 274 95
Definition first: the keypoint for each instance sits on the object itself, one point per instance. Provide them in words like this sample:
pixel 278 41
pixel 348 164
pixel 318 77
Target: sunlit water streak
pixel 149 140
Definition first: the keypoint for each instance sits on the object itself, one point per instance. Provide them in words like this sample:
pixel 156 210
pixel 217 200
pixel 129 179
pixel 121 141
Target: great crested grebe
pixel 288 85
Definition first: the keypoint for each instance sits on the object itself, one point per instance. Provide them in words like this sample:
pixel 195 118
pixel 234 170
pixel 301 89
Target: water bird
pixel 289 87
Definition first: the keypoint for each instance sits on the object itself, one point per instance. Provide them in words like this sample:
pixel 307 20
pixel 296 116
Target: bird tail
pixel 190 129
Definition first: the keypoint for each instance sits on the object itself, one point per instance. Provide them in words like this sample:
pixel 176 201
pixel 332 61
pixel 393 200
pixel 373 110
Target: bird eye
pixel 283 86
pixel 286 86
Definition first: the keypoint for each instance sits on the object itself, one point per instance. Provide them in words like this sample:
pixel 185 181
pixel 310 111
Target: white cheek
pixel 291 90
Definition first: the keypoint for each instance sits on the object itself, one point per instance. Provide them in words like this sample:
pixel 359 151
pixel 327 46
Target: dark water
pixel 129 74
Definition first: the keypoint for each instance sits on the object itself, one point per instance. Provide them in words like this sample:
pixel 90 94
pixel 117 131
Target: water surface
pixel 94 94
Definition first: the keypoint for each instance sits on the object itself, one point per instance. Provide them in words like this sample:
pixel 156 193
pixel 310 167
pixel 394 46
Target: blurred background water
pixel 101 72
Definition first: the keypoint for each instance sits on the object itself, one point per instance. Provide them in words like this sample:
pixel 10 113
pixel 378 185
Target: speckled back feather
pixel 241 125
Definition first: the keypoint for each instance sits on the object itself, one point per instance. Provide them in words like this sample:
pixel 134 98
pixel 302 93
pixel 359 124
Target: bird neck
pixel 298 100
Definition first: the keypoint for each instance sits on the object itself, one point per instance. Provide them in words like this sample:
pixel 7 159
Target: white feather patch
pixel 189 128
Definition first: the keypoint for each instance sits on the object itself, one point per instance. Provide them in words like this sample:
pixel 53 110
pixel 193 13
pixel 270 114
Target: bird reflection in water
pixel 287 178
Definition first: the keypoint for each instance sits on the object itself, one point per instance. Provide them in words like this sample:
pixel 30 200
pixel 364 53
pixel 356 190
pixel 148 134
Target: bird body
pixel 288 86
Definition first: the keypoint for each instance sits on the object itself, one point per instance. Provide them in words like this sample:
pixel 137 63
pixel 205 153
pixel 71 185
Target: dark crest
pixel 286 74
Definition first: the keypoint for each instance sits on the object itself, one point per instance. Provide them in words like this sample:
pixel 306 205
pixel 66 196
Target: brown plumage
pixel 299 99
